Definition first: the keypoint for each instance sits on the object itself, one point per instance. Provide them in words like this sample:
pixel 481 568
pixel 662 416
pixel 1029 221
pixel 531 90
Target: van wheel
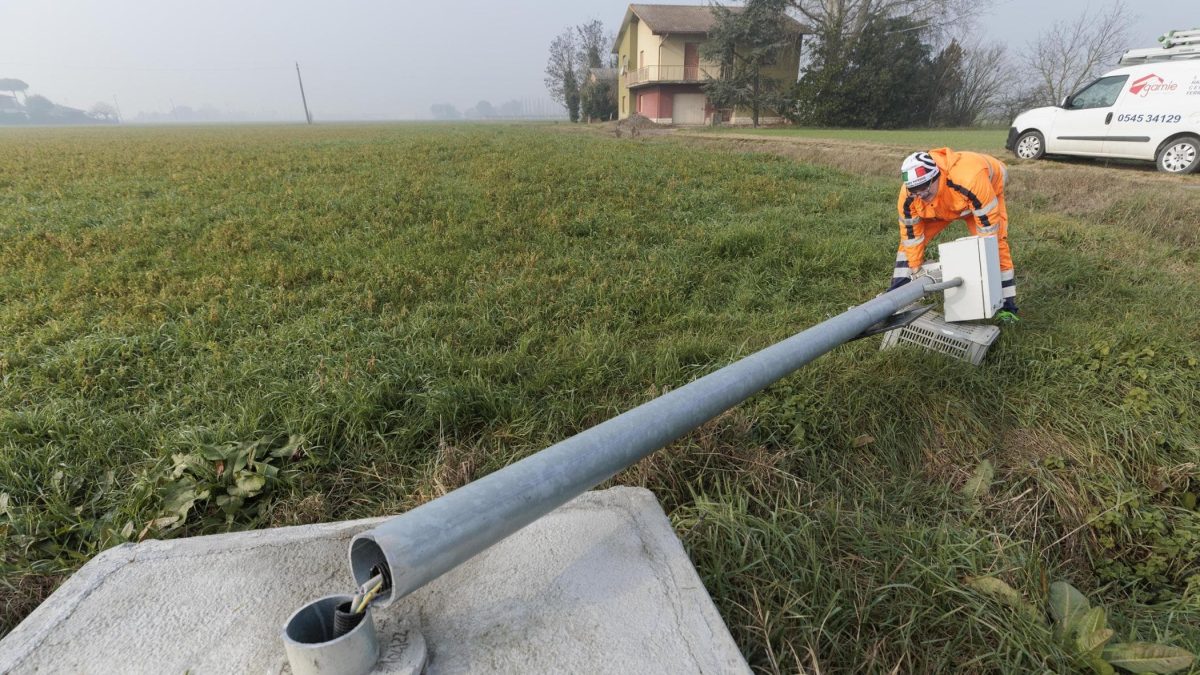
pixel 1181 155
pixel 1030 145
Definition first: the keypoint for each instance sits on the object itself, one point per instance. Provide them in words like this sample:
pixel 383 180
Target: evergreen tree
pixel 571 94
pixel 883 79
pixel 746 43
pixel 598 99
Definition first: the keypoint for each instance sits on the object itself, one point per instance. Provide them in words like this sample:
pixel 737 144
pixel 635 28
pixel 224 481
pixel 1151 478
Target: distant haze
pixel 361 60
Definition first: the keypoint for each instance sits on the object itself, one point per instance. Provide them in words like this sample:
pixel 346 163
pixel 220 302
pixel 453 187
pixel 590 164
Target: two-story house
pixel 661 68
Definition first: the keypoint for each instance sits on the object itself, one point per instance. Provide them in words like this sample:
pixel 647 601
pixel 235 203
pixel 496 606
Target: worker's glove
pixel 897 282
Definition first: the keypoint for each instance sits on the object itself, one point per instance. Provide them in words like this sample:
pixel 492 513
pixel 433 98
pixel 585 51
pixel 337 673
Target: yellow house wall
pixel 672 51
pixel 786 68
pixel 647 42
pixel 626 61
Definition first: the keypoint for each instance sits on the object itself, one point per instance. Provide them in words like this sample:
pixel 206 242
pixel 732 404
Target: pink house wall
pixel 656 102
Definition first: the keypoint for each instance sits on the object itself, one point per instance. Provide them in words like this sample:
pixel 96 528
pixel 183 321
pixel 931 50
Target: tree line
pixel 18 107
pixel 905 63
pixel 867 63
pixel 484 110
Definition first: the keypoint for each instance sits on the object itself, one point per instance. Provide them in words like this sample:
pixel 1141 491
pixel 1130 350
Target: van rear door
pixel 1083 125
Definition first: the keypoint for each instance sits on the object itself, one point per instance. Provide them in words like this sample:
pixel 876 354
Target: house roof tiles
pixel 681 19
pixel 684 18
pixel 678 18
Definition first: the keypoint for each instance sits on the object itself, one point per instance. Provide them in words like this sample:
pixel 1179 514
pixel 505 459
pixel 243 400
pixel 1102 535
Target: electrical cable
pixel 366 593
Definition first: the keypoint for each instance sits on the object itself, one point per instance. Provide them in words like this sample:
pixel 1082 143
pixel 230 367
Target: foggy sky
pixel 360 59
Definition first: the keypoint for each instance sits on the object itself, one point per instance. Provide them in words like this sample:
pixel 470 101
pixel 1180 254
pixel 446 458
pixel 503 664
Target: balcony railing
pixel 670 74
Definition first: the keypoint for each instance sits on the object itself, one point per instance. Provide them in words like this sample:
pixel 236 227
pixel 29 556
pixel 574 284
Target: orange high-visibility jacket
pixel 971 188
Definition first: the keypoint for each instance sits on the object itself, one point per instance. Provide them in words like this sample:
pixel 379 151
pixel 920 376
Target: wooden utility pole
pixel 307 115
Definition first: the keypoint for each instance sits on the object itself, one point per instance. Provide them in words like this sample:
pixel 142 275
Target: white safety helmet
pixel 917 170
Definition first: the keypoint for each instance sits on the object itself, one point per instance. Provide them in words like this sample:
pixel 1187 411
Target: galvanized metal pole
pixel 416 547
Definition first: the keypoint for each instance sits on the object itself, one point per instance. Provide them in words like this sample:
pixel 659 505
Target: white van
pixel 1149 111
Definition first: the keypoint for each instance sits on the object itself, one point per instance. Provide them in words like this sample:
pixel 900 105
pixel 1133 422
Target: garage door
pixel 688 109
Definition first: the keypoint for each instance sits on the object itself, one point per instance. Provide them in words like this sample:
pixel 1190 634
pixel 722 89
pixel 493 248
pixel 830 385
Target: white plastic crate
pixel 963 341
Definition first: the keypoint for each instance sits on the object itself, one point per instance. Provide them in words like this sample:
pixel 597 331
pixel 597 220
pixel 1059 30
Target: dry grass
pixel 21 595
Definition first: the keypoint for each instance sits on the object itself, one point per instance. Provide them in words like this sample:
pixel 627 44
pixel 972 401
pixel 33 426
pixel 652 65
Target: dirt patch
pixel 639 125
pixel 634 126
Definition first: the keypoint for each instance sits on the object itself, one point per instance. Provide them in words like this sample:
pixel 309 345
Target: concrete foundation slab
pixel 600 585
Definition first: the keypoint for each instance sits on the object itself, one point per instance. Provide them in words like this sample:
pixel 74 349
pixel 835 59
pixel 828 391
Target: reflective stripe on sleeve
pixel 907 220
pixel 914 241
pixel 987 208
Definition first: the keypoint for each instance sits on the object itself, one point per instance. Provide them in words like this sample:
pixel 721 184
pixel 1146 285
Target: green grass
pixel 414 307
pixel 990 140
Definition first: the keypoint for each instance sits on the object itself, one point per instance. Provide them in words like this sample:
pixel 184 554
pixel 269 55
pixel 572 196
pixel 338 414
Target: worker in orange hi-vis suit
pixel 942 186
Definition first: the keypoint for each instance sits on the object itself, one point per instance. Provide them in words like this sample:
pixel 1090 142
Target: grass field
pixel 221 328
pixel 979 140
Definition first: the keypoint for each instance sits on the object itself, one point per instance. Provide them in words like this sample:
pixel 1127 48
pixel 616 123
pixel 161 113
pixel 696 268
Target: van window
pixel 1100 94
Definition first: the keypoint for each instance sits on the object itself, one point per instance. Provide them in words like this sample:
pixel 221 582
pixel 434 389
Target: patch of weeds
pixel 222 485
pixel 1082 630
pixel 1152 541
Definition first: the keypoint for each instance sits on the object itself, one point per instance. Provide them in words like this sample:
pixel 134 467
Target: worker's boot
pixel 1008 312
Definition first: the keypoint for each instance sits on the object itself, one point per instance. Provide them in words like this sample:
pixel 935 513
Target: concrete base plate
pixel 601 585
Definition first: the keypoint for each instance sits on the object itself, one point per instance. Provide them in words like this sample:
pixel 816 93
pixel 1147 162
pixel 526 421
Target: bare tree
pixel 846 19
pixel 1069 54
pixel 561 75
pixel 104 112
pixel 594 47
pixel 983 77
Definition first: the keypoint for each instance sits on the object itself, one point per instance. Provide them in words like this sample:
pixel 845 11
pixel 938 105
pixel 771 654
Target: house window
pixel 622 105
pixel 642 59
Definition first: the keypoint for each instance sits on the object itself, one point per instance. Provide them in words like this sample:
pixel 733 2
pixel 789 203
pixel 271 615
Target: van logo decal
pixel 1144 86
